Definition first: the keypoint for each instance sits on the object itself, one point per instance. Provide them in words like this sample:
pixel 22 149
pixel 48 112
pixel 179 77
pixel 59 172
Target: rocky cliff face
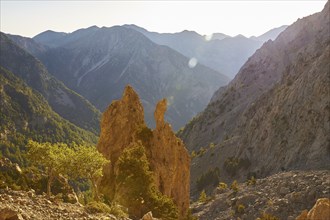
pixel 123 124
pixel 119 126
pixel 170 161
pixel 275 114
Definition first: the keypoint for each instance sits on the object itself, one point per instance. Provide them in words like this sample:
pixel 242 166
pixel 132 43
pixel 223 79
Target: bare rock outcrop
pixel 170 161
pixel 123 124
pixel 321 210
pixel 119 124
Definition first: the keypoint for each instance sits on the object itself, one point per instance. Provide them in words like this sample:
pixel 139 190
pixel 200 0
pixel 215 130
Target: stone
pixel 284 191
pixel 31 193
pixel 72 198
pixel 148 216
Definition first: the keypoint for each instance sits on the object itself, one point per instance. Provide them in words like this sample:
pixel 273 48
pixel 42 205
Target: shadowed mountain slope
pixel 275 114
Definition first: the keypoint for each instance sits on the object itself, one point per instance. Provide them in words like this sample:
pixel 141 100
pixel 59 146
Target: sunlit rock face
pixel 169 160
pixel 321 210
pixel 119 124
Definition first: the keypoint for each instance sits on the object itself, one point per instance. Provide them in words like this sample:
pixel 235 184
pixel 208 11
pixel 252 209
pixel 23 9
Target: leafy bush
pixel 234 186
pixel 202 197
pixel 190 216
pixel 97 207
pixel 240 209
pixel 100 207
pixel 201 152
pixel 222 185
pixel 252 181
pixel 144 134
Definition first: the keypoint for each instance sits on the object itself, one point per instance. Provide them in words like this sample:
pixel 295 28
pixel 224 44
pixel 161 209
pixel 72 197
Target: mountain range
pixel 274 115
pixel 99 62
pixel 218 51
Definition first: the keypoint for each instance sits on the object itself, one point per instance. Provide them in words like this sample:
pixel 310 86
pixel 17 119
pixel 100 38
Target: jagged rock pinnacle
pixel 169 160
pixel 161 108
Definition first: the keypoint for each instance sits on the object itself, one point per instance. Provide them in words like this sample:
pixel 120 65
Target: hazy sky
pixel 28 18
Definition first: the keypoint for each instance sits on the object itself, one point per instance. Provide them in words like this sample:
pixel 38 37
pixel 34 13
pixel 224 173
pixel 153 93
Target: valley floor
pixel 283 195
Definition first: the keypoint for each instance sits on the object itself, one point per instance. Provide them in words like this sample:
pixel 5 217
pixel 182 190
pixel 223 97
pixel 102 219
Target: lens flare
pixel 192 62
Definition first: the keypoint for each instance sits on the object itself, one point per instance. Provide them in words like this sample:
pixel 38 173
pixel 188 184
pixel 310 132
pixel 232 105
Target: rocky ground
pixel 284 195
pixel 19 205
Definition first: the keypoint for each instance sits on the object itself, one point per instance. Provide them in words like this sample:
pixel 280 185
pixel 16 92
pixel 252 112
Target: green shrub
pixel 190 216
pixel 201 152
pixel 252 181
pixel 234 186
pixel 240 209
pixel 100 207
pixel 222 185
pixel 202 197
pixel 97 207
pixel 117 211
pixel 144 134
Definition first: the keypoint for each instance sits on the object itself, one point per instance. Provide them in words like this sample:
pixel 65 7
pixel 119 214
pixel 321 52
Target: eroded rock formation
pixel 119 125
pixel 321 210
pixel 123 124
pixel 170 161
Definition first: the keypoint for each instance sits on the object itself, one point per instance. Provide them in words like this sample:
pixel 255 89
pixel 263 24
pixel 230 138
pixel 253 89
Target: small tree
pixel 234 186
pixel 252 181
pixel 75 161
pixel 135 186
pixel 87 162
pixel 50 157
pixel 222 185
pixel 202 197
